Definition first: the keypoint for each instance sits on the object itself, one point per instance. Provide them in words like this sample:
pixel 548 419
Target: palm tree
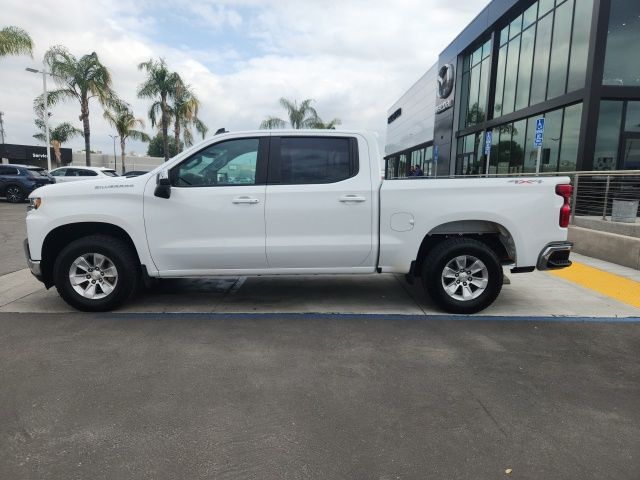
pixel 184 112
pixel 302 116
pixel 80 79
pixel 58 135
pixel 121 117
pixel 320 125
pixel 160 83
pixel 15 41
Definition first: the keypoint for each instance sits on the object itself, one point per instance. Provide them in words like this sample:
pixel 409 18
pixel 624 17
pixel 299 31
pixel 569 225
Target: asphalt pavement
pixel 165 396
pixel 13 230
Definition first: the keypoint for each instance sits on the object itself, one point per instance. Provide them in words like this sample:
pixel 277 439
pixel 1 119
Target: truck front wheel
pixel 462 275
pixel 96 273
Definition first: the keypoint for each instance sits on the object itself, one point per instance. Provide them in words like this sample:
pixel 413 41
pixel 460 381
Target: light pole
pixel 46 109
pixel 115 159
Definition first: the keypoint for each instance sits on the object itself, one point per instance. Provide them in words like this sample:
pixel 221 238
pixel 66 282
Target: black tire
pixel 437 259
pixel 14 194
pixel 121 256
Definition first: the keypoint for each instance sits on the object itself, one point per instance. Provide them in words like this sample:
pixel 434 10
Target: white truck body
pixel 356 225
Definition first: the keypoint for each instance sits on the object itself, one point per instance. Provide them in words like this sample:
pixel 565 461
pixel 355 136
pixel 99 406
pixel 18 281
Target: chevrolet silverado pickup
pixel 288 203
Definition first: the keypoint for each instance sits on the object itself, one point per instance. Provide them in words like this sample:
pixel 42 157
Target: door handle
pixel 245 200
pixel 352 198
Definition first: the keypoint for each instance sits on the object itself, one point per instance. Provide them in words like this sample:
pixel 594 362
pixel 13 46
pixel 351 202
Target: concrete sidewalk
pixel 530 294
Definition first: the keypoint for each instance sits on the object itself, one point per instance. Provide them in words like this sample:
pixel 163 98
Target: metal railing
pixel 595 192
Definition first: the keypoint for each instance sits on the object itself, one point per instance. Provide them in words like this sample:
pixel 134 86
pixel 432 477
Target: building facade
pixel 575 63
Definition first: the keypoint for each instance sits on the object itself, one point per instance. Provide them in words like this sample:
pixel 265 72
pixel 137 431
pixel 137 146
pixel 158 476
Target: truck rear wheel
pixel 96 273
pixel 462 275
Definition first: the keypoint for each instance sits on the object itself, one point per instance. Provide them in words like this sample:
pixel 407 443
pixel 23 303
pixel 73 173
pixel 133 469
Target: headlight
pixel 34 203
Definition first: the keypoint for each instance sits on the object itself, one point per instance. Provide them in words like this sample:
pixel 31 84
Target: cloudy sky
pixel 354 57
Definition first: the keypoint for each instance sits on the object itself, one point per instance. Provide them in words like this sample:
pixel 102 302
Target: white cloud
pixel 354 58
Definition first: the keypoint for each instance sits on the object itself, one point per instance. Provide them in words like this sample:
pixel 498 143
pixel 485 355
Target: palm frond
pixel 271 123
pixel 15 41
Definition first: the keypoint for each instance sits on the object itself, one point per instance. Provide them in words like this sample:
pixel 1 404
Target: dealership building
pixel 575 63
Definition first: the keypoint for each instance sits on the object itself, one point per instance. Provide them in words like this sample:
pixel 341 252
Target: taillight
pixel 565 192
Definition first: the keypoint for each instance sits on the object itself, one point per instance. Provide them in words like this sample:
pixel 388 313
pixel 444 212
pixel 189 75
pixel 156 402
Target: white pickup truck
pixel 293 202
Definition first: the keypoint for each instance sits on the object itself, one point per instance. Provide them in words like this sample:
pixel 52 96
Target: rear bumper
pixel 554 256
pixel 34 265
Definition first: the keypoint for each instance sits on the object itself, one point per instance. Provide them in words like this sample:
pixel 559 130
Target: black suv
pixel 18 181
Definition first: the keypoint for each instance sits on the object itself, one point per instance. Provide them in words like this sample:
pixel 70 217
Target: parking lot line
pixel 620 288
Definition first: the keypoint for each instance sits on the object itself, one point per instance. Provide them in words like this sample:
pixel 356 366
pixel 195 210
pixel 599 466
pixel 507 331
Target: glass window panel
pixel 570 135
pixel 486 49
pixel 484 85
pixel 504 35
pixel 476 57
pixel 541 61
pixel 232 162
pixel 551 142
pixel 560 50
pixel 502 61
pixel 511 76
pixel 524 71
pixel 314 160
pixel 530 153
pixel 608 135
pixel 544 7
pixel 622 55
pixel 495 150
pixel 529 15
pixel 515 27
pixel 472 112
pixel 504 148
pixel 402 166
pixel 516 163
pixel 632 123
pixel 466 63
pixel 464 100
pixel 579 44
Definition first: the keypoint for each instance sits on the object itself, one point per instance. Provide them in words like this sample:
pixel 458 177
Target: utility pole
pixel 46 108
pixel 115 159
pixel 1 138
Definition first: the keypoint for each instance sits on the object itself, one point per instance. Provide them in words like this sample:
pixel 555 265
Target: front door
pixel 319 212
pixel 214 218
pixel 631 151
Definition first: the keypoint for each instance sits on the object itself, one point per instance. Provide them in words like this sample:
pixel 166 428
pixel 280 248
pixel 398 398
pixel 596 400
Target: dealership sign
pixel 446 80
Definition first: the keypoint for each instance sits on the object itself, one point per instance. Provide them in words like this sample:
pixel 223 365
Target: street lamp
pixel 46 110
pixel 115 159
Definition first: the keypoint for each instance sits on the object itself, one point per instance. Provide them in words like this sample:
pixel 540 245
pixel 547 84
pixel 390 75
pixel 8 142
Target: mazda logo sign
pixel 445 80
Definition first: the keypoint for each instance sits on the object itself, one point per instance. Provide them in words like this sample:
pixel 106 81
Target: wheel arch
pixel 494 235
pixel 60 236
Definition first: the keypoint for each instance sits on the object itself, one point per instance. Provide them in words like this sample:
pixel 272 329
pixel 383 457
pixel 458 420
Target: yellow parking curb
pixel 614 286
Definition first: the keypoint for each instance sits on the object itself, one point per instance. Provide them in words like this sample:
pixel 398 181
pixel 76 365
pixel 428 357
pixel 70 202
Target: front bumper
pixel 554 256
pixel 34 265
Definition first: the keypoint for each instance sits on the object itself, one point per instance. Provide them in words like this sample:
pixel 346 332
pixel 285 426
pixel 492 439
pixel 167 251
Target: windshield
pixel 37 173
pixel 110 173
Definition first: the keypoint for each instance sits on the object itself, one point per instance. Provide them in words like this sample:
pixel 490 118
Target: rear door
pixel 319 211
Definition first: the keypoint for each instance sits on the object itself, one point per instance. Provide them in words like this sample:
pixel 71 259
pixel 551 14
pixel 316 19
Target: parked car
pixel 18 181
pixel 134 173
pixel 41 170
pixel 75 173
pixel 294 202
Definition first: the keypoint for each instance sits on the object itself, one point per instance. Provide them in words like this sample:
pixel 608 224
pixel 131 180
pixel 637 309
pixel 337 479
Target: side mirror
pixel 163 185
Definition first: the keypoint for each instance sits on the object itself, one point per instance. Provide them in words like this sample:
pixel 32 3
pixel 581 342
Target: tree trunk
pixel 57 153
pixel 176 134
pixel 84 116
pixel 165 126
pixel 122 153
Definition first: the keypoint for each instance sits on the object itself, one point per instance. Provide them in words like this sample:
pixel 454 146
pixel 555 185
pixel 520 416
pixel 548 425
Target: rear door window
pixel 9 171
pixel 312 160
